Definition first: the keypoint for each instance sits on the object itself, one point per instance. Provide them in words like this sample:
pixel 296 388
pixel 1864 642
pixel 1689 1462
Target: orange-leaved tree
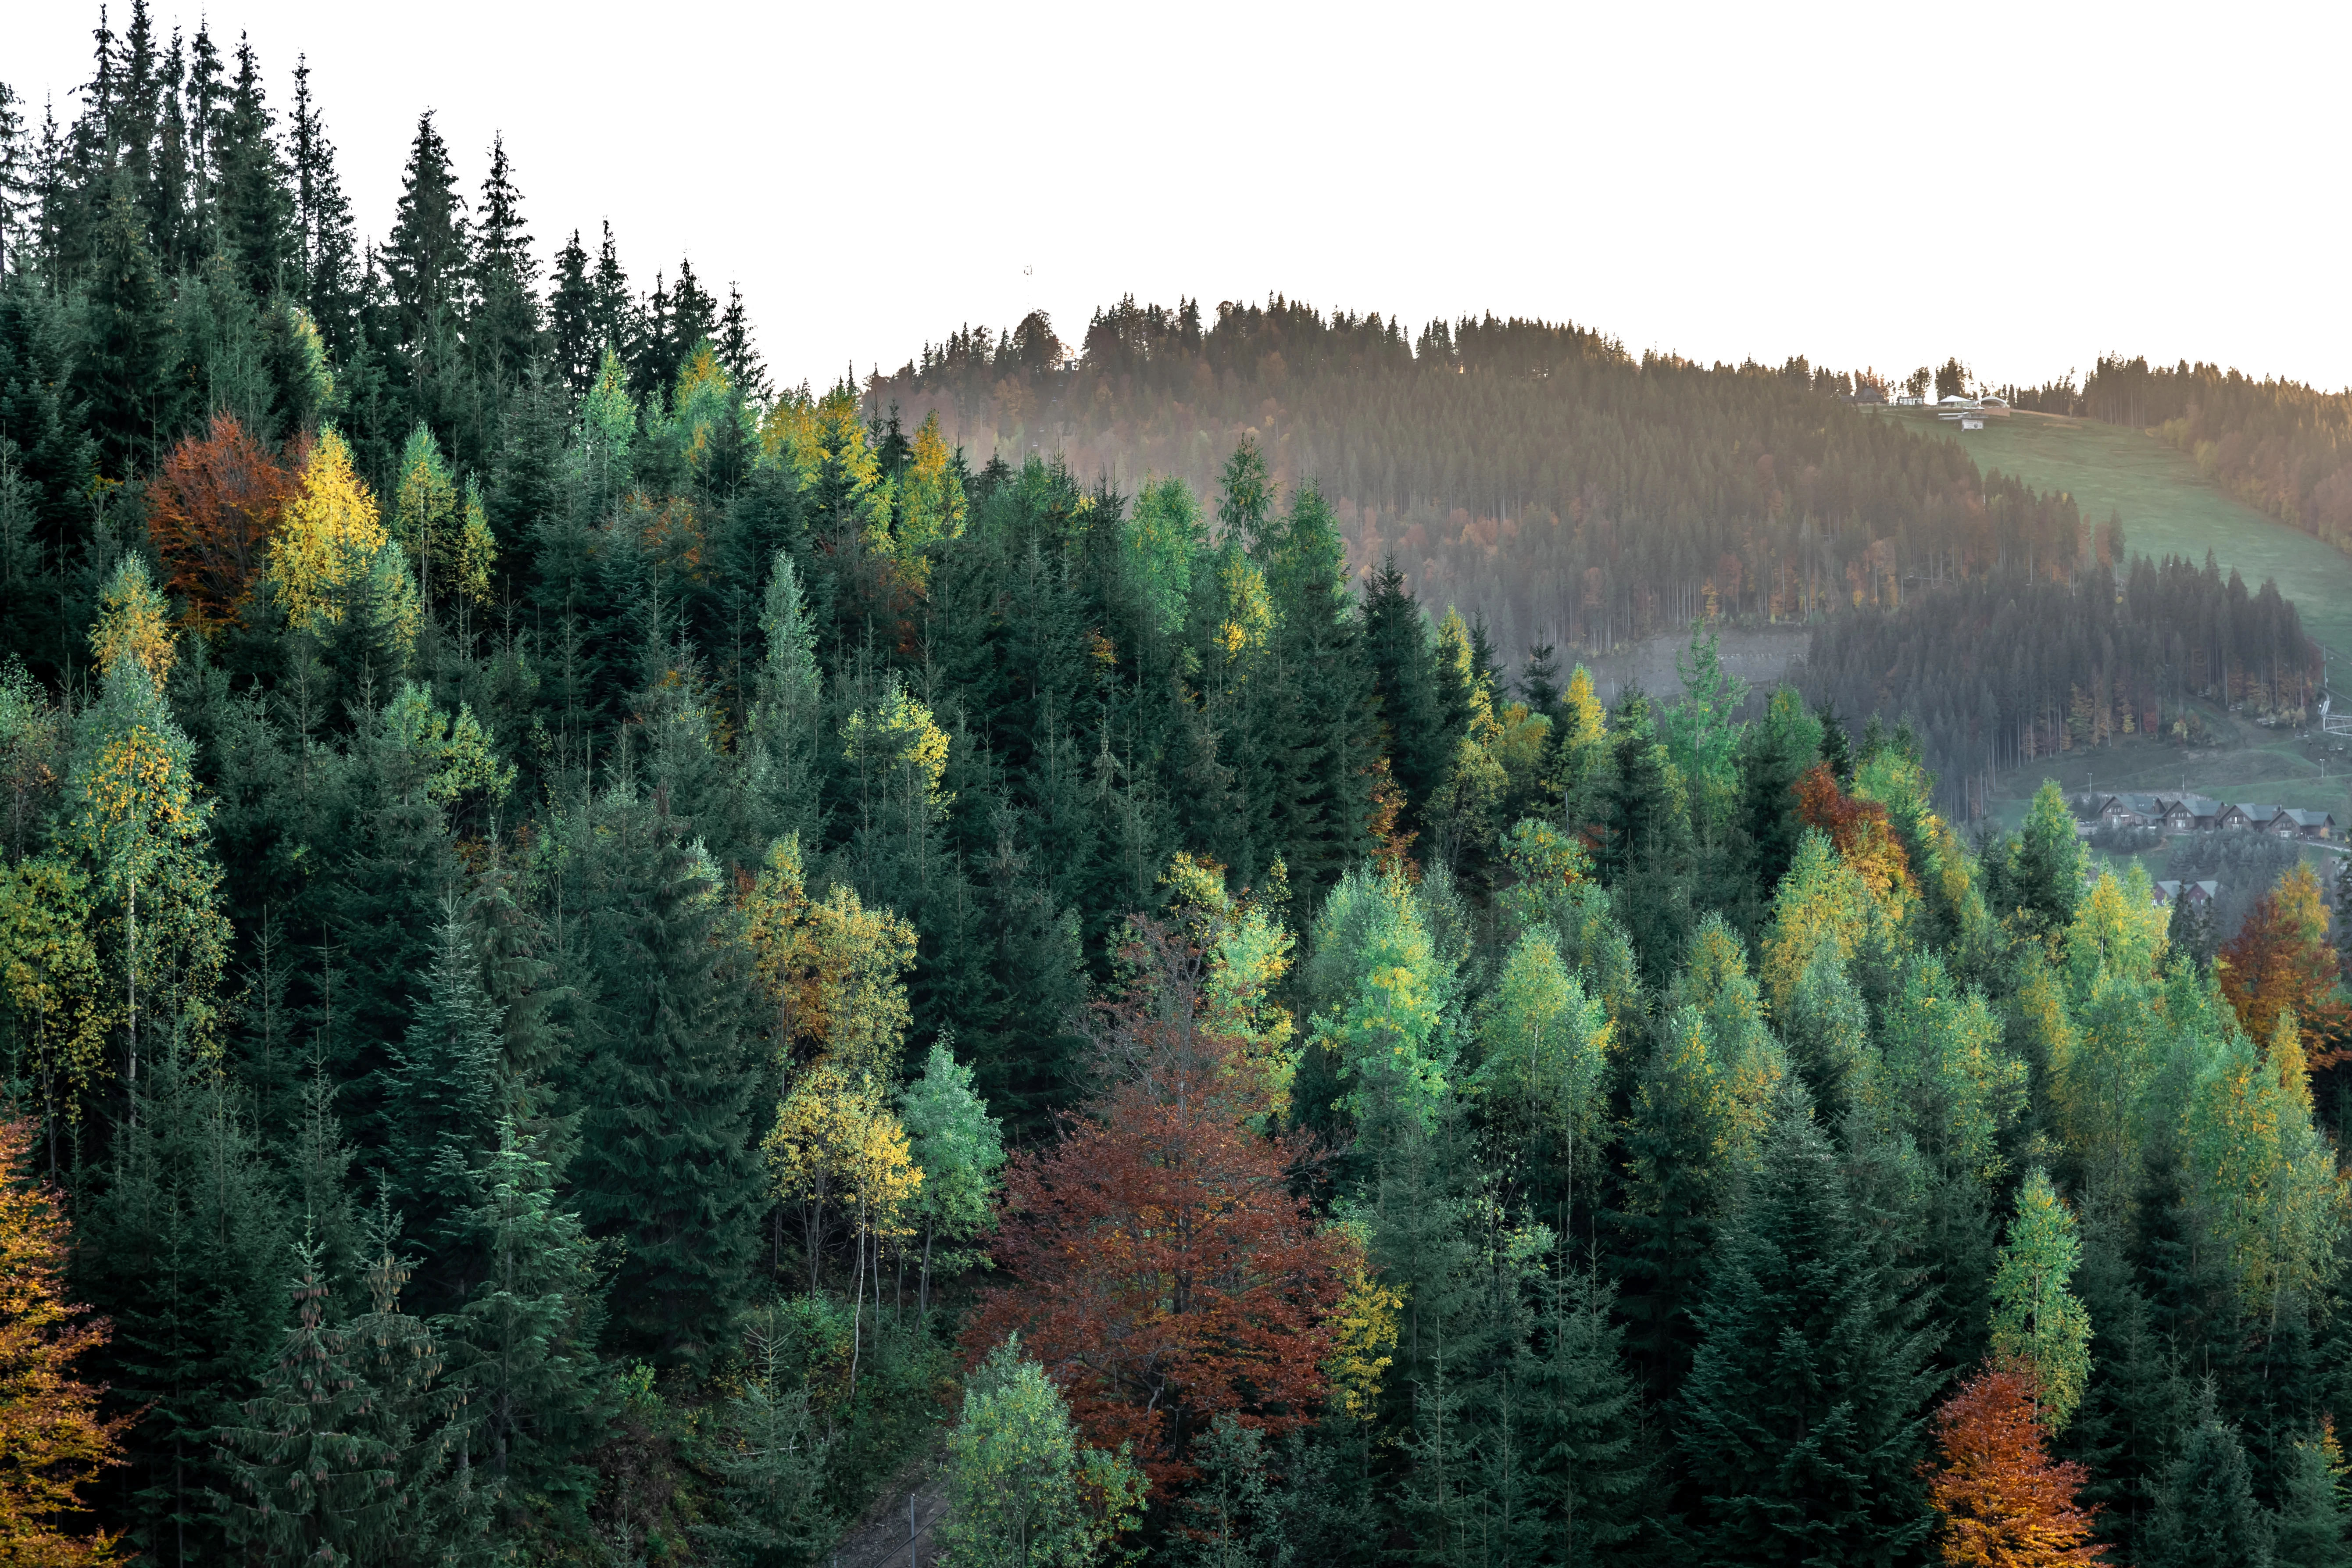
pixel 2003 1500
pixel 52 1440
pixel 2280 962
pixel 1860 830
pixel 210 512
pixel 1162 1271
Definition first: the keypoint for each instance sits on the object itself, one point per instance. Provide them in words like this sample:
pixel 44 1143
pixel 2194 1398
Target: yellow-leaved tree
pixel 832 969
pixel 931 505
pixel 132 818
pixel 52 1440
pixel 331 547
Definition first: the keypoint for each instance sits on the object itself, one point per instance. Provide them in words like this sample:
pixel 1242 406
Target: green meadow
pixel 2167 508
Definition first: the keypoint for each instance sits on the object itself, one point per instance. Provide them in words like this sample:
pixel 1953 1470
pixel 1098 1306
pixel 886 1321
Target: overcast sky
pixel 2025 185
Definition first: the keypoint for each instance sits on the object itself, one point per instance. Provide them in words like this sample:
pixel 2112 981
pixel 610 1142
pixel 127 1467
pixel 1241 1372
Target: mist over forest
pixel 1061 952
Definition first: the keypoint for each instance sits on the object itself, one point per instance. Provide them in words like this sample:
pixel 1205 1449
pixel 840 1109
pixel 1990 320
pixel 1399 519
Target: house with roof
pixel 2170 893
pixel 2312 826
pixel 2244 813
pixel 2190 812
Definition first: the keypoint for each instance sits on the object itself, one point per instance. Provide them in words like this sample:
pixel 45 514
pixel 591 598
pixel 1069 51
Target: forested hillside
pixel 1533 473
pixel 602 962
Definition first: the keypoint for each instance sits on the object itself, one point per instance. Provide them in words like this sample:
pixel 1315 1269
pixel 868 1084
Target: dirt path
pixel 879 1538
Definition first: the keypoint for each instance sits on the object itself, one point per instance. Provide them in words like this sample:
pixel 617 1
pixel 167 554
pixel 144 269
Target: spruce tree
pixel 1803 1421
pixel 1588 1467
pixel 2311 1506
pixel 523 1345
pixel 662 1075
pixel 770 1459
pixel 2207 1514
pixel 446 1097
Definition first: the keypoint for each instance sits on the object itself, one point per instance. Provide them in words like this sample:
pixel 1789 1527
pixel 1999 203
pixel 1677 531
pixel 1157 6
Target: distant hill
pixel 1533 472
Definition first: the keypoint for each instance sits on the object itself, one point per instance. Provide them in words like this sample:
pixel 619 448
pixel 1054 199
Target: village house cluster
pixel 2185 813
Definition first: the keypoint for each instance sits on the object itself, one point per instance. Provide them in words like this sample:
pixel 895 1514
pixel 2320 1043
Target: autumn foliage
pixel 51 1438
pixel 210 512
pixel 1163 1271
pixel 1859 829
pixel 2280 962
pixel 2003 1500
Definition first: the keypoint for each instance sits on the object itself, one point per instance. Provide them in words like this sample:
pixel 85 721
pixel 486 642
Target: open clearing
pixel 2167 508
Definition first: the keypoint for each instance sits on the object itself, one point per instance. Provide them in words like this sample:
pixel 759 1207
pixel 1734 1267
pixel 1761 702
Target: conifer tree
pixel 2207 1513
pixel 1802 1422
pixel 316 1481
pixel 523 1345
pixel 446 1100
pixel 425 260
pixel 771 1460
pixel 1587 1456
pixel 663 1080
pixel 2311 1505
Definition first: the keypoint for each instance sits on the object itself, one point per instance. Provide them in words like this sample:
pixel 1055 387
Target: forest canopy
pixel 600 960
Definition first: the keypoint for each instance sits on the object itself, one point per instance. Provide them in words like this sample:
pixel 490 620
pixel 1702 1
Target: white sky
pixel 2023 185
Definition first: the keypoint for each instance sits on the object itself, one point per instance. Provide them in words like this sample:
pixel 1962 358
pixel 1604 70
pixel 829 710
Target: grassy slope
pixel 2168 509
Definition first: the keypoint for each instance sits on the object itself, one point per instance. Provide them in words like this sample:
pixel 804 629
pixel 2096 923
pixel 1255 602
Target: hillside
pixel 1533 473
pixel 2168 506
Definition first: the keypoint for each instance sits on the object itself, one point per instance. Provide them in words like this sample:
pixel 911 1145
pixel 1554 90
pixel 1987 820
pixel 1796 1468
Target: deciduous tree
pixel 53 1442
pixel 2002 1500
pixel 1161 1268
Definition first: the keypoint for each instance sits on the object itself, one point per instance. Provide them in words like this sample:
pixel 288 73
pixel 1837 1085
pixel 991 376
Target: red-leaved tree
pixel 210 512
pixel 2004 1501
pixel 1860 829
pixel 2280 962
pixel 1162 1270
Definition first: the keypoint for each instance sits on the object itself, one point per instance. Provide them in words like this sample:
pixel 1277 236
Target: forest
pixel 1535 474
pixel 602 962
pixel 1998 671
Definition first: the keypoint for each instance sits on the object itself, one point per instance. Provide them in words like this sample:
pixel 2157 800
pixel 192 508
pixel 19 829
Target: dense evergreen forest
pixel 1998 671
pixel 598 958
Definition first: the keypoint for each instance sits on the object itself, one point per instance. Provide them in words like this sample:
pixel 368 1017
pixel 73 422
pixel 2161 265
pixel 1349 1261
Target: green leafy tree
pixel 2037 1322
pixel 1022 1490
pixel 960 1147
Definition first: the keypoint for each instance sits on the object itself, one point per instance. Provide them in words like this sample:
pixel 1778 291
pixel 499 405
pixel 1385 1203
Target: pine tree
pixel 2311 1505
pixel 319 1482
pixel 425 262
pixel 523 1345
pixel 771 1460
pixel 2207 1513
pixel 662 1078
pixel 446 1097
pixel 1803 1423
pixel 504 329
pixel 571 310
pixel 1587 1463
